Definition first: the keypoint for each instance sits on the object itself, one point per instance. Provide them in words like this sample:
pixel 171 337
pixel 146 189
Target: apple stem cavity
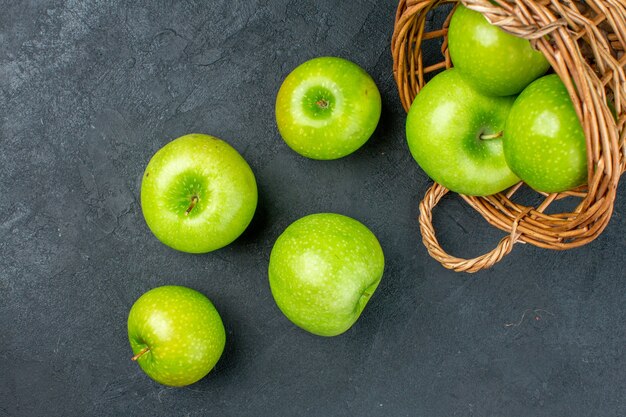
pixel 140 354
pixel 194 201
pixel 490 136
pixel 322 104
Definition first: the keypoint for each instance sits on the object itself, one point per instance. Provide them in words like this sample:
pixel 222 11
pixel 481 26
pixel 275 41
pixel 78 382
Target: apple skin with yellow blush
pixel 198 194
pixel 327 108
pixel 176 334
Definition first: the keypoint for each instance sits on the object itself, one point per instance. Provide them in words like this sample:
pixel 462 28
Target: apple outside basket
pixel 585 43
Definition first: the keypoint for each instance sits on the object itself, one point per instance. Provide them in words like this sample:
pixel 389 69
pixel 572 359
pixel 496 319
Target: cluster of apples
pixel 470 131
pixel 198 194
pixel 466 129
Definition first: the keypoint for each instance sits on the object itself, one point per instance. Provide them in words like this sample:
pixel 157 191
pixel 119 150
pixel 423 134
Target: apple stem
pixel 323 104
pixel 194 201
pixel 140 354
pixel 484 136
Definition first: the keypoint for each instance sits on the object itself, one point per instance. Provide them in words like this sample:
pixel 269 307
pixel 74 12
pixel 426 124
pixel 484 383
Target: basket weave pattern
pixel 585 44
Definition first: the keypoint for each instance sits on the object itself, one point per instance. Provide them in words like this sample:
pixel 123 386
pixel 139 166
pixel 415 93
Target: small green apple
pixel 453 132
pixel 327 108
pixel 544 143
pixel 323 270
pixel 493 61
pixel 176 334
pixel 198 194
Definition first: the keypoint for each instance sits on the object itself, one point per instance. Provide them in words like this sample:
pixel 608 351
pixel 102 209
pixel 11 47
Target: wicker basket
pixel 585 47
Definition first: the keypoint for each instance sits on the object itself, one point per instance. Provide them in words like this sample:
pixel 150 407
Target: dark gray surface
pixel 91 89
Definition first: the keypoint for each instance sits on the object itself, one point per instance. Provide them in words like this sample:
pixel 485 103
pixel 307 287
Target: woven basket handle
pixel 504 247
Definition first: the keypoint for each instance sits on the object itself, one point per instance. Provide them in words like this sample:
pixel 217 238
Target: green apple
pixel 493 61
pixel 198 194
pixel 323 270
pixel 544 143
pixel 327 108
pixel 454 133
pixel 176 334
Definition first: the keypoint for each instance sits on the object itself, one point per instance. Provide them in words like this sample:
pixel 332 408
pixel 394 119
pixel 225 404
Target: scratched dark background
pixel 91 89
